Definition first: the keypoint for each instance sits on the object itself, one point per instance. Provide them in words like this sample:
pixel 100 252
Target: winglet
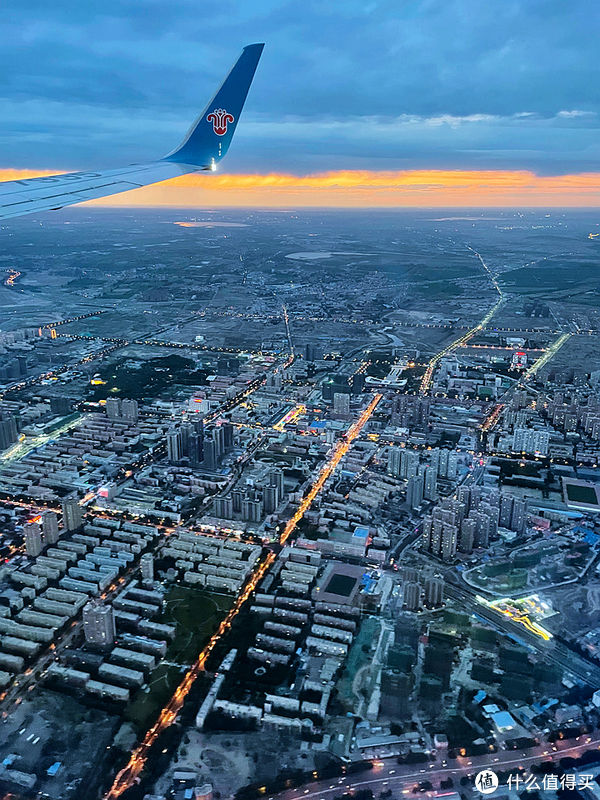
pixel 210 136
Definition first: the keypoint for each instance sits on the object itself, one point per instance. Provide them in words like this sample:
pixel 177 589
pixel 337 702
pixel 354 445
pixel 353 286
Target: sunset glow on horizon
pixel 360 188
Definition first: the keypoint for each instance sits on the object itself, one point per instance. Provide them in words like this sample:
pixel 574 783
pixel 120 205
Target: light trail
pixel 462 340
pixel 510 609
pixel 291 415
pixel 491 420
pixel 338 453
pixel 550 353
pixel 523 619
pixel 131 771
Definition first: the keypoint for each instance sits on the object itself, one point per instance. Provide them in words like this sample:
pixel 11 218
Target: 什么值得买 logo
pixel 486 781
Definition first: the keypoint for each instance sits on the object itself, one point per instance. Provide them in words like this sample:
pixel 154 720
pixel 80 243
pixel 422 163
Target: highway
pixel 493 417
pixel 151 342
pixel 550 353
pixel 79 317
pixel 387 774
pixel 466 337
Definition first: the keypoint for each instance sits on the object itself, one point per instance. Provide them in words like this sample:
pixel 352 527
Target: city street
pixel 402 779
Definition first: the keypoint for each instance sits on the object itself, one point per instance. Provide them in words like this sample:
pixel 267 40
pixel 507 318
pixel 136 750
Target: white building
pixel 99 624
pixel 526 440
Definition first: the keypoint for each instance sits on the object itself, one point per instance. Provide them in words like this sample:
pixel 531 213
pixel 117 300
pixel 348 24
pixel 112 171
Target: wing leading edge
pixel 204 146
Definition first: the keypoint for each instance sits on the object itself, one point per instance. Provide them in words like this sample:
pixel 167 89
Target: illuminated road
pixel 466 337
pixel 493 417
pixel 401 778
pixel 74 319
pixel 512 611
pixel 291 415
pixel 503 347
pixel 550 353
pixel 128 775
pixel 151 342
pixel 339 452
pixel 21 448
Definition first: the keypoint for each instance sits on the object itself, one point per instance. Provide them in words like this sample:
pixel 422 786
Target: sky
pixel 370 102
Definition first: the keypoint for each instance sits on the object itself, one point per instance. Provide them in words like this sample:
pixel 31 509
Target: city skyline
pixel 300 453
pixel 278 485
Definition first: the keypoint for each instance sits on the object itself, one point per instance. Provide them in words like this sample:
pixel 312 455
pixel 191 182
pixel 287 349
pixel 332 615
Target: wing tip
pixel 206 144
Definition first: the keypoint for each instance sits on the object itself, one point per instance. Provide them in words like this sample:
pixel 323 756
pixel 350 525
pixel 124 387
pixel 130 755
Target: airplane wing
pixel 204 146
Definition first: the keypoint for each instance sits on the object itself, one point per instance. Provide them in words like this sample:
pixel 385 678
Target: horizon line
pixel 368 189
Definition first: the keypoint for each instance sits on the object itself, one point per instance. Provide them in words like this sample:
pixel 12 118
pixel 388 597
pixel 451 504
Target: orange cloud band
pixel 363 188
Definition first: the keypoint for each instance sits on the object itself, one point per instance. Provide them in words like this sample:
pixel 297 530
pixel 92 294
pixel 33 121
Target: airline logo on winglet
pixel 220 119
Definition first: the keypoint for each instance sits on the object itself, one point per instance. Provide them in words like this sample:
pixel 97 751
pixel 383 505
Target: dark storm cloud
pixel 460 83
